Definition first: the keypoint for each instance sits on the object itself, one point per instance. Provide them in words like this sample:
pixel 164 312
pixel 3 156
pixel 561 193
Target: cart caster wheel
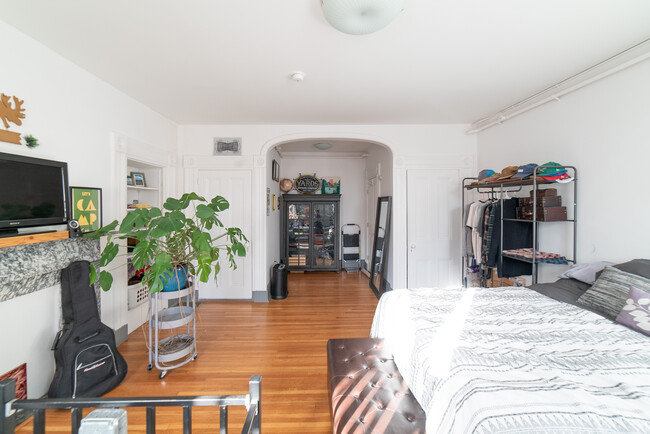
pixel 162 374
pixel 195 357
pixel 149 367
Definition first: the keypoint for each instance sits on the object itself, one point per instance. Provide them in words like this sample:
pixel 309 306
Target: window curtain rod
pixel 607 67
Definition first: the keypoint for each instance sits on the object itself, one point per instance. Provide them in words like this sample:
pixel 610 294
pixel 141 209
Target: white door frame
pixel 466 166
pixel 192 164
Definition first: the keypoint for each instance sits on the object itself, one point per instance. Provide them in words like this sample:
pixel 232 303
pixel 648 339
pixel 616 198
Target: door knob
pixel 412 246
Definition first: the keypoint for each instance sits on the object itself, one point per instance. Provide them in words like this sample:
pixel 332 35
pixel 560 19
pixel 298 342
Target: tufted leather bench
pixel 367 392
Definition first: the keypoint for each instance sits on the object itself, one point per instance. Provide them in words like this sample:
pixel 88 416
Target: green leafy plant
pixel 172 238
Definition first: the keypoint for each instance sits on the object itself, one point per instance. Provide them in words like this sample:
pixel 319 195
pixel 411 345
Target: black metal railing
pixel 252 401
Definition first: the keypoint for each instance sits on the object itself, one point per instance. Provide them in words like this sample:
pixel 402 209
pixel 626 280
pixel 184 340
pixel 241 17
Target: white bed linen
pixel 510 360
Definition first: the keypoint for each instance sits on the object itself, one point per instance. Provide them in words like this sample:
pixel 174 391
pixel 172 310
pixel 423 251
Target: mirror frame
pixel 385 248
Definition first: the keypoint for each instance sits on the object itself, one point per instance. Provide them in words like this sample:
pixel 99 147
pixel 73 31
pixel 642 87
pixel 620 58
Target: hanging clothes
pixel 516 235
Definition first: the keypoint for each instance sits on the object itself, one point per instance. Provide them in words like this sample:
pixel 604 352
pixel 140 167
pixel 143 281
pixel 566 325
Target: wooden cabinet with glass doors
pixel 310 232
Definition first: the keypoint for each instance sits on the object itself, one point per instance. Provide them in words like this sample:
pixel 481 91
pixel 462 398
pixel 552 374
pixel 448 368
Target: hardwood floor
pixel 284 341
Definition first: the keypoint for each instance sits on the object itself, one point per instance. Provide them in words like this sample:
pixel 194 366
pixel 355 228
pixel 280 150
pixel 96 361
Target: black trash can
pixel 279 282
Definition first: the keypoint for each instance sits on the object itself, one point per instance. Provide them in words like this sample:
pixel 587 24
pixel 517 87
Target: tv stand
pixel 4 233
pixel 11 241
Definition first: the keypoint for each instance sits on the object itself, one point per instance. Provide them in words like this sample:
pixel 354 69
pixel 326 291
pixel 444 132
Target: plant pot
pixel 177 281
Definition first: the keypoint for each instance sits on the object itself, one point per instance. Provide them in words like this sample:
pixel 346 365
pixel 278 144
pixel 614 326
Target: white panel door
pixel 433 227
pixel 235 186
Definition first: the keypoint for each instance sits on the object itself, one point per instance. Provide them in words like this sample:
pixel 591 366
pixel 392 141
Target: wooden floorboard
pixel 284 341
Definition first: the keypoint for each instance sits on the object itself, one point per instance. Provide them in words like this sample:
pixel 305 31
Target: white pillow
pixel 585 272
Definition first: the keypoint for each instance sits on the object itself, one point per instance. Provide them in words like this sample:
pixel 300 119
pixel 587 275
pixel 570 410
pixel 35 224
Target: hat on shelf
pixel 492 178
pixel 552 171
pixel 525 171
pixel 508 172
pixel 485 173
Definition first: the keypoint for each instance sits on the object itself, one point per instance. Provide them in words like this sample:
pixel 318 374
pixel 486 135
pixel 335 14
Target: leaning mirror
pixel 380 249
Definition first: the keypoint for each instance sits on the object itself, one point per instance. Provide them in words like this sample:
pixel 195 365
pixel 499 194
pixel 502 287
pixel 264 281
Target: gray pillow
pixel 636 311
pixel 640 267
pixel 585 272
pixel 610 292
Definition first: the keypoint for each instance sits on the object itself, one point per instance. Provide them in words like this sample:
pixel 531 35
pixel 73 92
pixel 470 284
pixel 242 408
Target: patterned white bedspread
pixel 510 360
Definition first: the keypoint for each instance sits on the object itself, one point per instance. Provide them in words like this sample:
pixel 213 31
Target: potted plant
pixel 177 236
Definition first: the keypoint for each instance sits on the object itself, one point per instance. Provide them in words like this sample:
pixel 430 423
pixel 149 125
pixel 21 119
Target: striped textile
pixel 527 254
pixel 488 360
pixel 609 293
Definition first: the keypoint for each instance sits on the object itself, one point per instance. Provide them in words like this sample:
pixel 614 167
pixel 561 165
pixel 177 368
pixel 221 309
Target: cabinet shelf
pixel 137 187
pixel 310 232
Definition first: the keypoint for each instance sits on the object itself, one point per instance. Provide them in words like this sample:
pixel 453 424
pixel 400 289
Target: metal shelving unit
pixel 181 346
pixel 505 187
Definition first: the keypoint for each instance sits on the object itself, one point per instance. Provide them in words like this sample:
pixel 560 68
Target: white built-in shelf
pixel 137 187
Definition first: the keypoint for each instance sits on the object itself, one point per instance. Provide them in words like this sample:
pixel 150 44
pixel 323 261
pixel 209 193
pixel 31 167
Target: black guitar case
pixel 87 361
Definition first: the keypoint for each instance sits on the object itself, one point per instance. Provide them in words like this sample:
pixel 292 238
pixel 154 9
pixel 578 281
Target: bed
pixel 515 359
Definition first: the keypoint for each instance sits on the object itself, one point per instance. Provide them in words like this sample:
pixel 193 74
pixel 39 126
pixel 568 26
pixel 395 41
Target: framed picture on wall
pixel 138 179
pixel 87 207
pixel 275 171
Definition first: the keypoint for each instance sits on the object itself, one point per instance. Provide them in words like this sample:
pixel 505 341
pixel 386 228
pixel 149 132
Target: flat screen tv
pixel 33 192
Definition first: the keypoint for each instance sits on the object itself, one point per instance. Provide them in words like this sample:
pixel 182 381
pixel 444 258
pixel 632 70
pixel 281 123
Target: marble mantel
pixel 32 267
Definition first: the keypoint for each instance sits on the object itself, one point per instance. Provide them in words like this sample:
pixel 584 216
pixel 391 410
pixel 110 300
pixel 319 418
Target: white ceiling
pixel 228 62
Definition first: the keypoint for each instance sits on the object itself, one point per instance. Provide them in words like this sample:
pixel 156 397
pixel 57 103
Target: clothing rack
pixel 509 186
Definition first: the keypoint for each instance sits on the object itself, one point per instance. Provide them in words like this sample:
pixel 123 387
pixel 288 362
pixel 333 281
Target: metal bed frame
pixel 252 425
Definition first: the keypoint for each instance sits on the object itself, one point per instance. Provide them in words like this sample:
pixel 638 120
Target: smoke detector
pixel 297 76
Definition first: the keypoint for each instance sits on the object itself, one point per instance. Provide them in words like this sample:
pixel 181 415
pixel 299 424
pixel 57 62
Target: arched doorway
pixel 363 166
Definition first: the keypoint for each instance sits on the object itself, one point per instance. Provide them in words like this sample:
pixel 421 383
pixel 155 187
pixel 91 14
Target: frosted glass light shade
pixel 360 17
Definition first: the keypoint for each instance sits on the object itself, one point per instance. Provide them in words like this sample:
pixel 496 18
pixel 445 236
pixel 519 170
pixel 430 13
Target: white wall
pixel 603 130
pixel 411 145
pixel 72 114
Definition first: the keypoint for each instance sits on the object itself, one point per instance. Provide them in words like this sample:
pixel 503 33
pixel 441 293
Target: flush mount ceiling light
pixel 360 17
pixel 323 146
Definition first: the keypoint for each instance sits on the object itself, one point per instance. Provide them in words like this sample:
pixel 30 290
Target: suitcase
pixel 542 201
pixel 87 361
pixel 544 192
pixel 552 214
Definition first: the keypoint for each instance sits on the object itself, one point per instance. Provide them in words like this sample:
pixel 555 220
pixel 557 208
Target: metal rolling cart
pixel 350 247
pixel 180 346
